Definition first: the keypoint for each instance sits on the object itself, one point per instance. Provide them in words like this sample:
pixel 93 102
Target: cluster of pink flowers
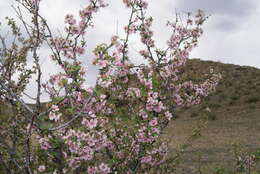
pixel 102 168
pixel 146 33
pixel 169 71
pixel 92 123
pixel 121 119
pixel 139 3
pixel 104 81
pixel 144 53
pixel 70 19
pixel 143 136
pixel 168 115
pixel 135 92
pixel 44 143
pixel 143 114
pixel 66 49
pixel 153 104
pixel 146 81
pixel 54 113
pixel 82 146
pixel 85 17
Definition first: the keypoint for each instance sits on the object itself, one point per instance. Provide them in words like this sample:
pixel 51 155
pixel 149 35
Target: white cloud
pixel 238 46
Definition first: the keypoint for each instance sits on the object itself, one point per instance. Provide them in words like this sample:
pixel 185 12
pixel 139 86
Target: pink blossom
pixel 105 83
pixel 55 108
pixel 168 115
pixel 146 159
pixel 102 96
pixel 44 143
pixel 127 2
pixel 133 92
pixel 153 122
pixel 143 114
pixel 54 116
pixel 92 123
pixel 104 168
pixel 80 50
pixel 70 19
pixel 86 154
pixel 92 170
pixel 102 63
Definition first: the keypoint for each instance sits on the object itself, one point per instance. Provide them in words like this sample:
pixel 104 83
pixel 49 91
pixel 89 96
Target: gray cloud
pixel 238 8
pixel 228 13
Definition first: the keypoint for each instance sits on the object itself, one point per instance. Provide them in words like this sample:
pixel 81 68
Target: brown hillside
pixel 229 119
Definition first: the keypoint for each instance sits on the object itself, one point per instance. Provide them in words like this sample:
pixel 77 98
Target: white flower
pixel 41 168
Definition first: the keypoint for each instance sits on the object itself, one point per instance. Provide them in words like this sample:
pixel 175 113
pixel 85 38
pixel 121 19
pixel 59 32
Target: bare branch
pixel 3 53
pixel 67 123
pixel 15 96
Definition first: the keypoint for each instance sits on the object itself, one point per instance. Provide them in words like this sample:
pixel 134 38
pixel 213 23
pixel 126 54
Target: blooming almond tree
pixel 114 127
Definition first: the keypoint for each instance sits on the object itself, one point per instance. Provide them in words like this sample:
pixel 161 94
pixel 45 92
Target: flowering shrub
pixel 114 127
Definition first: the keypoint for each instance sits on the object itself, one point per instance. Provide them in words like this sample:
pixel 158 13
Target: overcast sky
pixel 231 34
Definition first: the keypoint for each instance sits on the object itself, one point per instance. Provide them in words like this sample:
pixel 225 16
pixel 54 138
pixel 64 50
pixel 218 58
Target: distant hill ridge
pixel 239 86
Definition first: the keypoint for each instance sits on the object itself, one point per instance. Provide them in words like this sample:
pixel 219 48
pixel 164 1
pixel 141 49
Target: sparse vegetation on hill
pixel 228 121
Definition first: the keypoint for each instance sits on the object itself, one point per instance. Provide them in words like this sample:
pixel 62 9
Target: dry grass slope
pixel 232 124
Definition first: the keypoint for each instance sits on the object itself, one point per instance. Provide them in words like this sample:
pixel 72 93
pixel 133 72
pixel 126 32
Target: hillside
pixel 226 124
pixel 228 120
